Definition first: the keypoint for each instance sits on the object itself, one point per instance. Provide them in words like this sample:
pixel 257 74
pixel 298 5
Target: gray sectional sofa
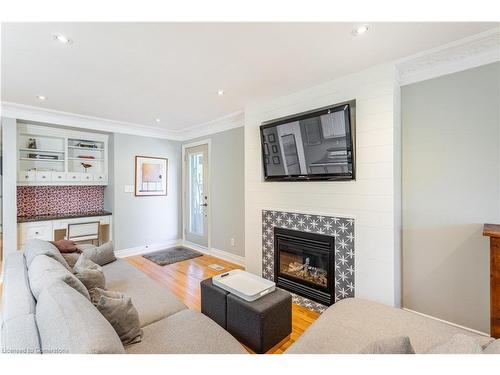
pixel 63 320
pixel 351 324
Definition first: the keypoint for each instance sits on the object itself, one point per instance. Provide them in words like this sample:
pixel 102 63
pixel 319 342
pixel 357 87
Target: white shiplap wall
pixel 373 199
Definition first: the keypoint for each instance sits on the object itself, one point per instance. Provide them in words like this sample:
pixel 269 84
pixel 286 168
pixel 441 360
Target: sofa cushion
pixel 348 325
pixel 43 271
pixel 16 295
pixel 35 247
pixel 493 347
pixel 89 273
pixel 187 332
pixel 392 345
pixel 69 323
pixel 458 344
pixel 20 335
pixel 152 301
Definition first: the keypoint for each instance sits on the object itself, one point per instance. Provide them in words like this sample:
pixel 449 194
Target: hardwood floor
pixel 183 280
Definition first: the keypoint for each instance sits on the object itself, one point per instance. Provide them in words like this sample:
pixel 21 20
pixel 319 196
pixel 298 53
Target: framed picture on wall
pixel 150 176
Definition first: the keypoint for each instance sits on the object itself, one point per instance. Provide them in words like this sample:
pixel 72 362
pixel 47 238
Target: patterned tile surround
pixel 53 200
pixel 341 228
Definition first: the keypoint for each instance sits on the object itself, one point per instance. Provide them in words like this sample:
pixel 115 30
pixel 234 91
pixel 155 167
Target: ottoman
pixel 213 302
pixel 260 324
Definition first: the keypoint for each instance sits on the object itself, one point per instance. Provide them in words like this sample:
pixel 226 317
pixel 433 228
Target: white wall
pixel 140 221
pixel 9 185
pixel 372 199
pixel 227 189
pixel 451 186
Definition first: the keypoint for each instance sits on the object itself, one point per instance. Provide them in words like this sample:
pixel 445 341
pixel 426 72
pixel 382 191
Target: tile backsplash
pixel 53 200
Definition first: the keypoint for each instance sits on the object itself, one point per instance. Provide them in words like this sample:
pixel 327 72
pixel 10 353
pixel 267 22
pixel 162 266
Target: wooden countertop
pixel 491 230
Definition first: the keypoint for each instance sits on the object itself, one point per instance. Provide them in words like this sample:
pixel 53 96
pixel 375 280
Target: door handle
pixel 204 204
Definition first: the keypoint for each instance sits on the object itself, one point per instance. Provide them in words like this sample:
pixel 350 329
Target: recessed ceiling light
pixel 360 30
pixel 157 120
pixel 63 39
pixel 41 98
pixel 220 92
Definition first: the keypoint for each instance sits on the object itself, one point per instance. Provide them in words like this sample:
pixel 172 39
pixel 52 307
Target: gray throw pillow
pixel 101 255
pixel 392 345
pixel 119 311
pixel 493 347
pixel 89 273
pixel 458 344
pixel 44 270
pixel 71 258
pixel 35 247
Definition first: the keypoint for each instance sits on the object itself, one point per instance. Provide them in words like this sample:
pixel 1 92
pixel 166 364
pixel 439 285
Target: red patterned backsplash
pixel 53 200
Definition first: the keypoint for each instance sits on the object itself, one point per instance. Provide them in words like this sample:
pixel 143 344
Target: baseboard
pixel 144 249
pixel 447 322
pixel 233 258
pixel 194 246
pixel 221 254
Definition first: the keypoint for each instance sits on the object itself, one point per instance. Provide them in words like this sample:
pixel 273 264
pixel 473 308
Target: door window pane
pixel 196 213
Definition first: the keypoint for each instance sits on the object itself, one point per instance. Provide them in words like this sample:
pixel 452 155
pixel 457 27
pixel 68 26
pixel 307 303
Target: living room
pixel 196 188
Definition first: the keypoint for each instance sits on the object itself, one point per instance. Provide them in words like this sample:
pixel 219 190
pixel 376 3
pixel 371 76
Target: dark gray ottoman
pixel 260 324
pixel 213 302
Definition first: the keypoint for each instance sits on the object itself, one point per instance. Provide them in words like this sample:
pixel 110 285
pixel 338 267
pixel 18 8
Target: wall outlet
pixel 231 242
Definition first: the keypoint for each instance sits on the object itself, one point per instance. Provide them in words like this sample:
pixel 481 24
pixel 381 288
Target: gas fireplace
pixel 304 264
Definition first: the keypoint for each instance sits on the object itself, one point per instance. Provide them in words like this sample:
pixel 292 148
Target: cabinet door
pixel 99 177
pixel 58 176
pixel 41 230
pixel 87 177
pixel 26 176
pixel 75 177
pixel 43 177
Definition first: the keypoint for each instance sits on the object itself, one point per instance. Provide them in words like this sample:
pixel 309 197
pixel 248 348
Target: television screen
pixel 316 145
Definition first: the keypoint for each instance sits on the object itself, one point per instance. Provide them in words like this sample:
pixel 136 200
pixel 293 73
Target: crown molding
pixel 49 116
pixel 231 121
pixel 466 53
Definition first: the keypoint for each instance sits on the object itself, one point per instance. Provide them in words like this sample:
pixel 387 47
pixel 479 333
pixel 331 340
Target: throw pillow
pixel 392 345
pixel 89 273
pixel 118 309
pixel 65 246
pixel 458 344
pixel 71 258
pixel 101 255
pixel 44 270
pixel 493 347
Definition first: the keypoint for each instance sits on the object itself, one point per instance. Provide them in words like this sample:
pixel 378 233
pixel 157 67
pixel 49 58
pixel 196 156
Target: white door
pixel 196 194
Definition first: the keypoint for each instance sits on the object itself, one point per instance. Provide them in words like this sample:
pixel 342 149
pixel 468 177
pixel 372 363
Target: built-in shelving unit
pixel 54 156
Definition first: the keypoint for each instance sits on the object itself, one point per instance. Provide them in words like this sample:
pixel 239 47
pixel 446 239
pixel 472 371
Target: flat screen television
pixel 314 145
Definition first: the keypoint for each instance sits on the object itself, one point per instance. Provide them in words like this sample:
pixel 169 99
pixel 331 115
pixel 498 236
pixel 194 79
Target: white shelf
pixel 41 150
pixel 86 159
pixel 44 160
pixel 86 148
pixel 63 144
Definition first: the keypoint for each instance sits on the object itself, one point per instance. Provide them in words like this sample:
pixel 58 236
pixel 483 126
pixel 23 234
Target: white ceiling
pixel 136 72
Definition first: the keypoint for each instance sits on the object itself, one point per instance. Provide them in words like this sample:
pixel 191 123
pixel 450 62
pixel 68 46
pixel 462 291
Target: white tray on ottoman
pixel 244 284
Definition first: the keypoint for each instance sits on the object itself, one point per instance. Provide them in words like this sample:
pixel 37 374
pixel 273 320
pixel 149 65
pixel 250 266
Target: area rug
pixel 172 255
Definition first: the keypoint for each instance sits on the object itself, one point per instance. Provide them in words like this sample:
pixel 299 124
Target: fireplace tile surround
pixel 339 227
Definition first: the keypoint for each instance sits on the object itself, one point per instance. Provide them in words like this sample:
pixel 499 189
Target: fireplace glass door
pixel 304 265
